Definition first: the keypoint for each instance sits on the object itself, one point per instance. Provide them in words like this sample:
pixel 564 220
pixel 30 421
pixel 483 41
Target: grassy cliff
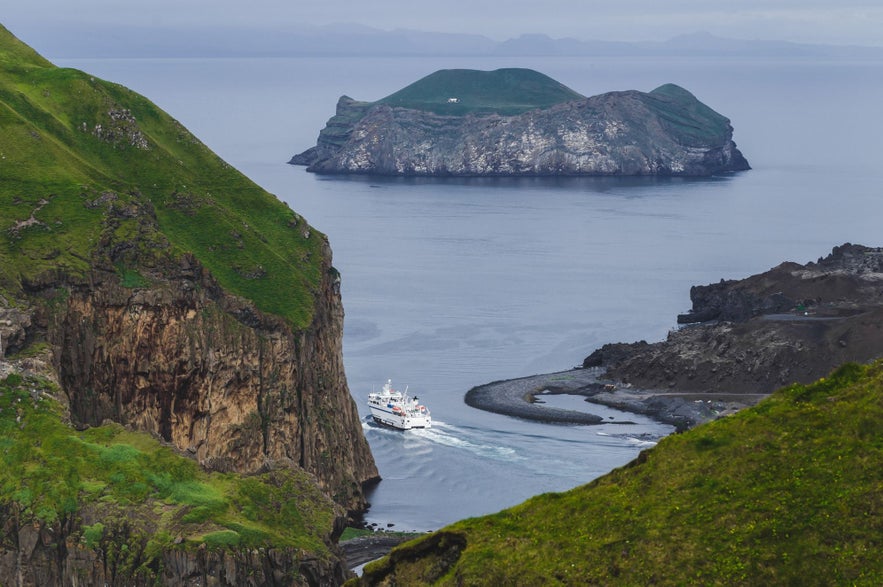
pixel 132 500
pixel 787 493
pixel 121 236
pixel 75 149
pixel 687 117
pixel 468 91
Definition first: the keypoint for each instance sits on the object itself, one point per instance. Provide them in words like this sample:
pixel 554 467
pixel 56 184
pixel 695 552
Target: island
pixel 173 403
pixel 519 122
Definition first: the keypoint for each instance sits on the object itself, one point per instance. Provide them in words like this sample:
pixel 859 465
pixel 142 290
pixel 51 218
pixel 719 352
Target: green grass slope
pixel 75 149
pixel 502 91
pixel 787 493
pixel 127 495
pixel 688 117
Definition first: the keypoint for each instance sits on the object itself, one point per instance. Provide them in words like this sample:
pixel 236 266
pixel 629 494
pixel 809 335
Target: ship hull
pixel 398 410
pixel 388 418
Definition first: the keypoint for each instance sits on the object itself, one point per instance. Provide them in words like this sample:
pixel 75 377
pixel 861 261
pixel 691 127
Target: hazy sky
pixel 811 21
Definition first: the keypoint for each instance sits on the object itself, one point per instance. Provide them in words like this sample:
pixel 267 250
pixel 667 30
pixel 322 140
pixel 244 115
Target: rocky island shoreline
pixel 741 341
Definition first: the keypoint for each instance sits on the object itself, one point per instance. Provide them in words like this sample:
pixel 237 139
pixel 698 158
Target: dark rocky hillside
pixel 793 323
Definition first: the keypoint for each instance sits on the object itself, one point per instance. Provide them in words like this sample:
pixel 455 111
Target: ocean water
pixel 448 284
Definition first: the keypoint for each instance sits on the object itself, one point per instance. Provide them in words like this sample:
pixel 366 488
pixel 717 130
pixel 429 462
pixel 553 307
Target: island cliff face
pixel 666 132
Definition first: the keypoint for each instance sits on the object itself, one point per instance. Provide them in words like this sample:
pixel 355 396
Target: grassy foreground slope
pixel 75 149
pixel 124 494
pixel 787 493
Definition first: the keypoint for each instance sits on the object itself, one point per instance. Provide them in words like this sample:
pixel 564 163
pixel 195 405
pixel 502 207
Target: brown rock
pixel 793 323
pixel 209 373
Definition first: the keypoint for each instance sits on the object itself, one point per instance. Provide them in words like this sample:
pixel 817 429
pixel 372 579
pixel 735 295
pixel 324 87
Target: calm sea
pixel 451 284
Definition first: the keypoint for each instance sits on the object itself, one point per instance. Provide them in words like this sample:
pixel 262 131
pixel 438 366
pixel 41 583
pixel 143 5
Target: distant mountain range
pixel 351 40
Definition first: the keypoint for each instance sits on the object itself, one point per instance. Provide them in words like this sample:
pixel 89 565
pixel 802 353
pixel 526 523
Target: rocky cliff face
pixel 793 323
pixel 40 554
pixel 845 280
pixel 667 132
pixel 172 295
pixel 237 389
pixel 233 388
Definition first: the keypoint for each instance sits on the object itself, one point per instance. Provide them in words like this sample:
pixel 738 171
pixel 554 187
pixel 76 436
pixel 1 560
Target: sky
pixel 844 22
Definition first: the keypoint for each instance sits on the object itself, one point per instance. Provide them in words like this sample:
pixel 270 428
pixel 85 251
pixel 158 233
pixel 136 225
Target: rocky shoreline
pixel 364 549
pixel 741 341
pixel 517 397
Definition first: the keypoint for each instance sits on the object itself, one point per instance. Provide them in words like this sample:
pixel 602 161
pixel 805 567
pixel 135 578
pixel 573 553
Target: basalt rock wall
pixel 236 389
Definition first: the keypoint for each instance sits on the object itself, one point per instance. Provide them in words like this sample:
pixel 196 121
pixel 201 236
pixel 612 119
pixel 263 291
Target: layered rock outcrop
pixel 40 554
pixel 167 293
pixel 666 132
pixel 793 323
pixel 235 388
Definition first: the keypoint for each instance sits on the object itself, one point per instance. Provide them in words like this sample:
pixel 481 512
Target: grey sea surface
pixel 449 284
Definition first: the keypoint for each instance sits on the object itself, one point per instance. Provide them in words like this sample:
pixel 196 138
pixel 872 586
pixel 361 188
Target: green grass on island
pixel 514 91
pixel 89 167
pixel 131 497
pixel 687 115
pixel 458 92
pixel 789 492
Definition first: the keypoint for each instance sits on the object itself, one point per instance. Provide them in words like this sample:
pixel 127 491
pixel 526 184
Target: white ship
pixel 397 409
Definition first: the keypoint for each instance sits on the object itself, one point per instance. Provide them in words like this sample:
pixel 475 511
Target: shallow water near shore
pixel 449 284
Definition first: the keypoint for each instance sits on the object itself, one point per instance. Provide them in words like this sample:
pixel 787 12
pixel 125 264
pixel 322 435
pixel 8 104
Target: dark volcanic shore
pixel 741 341
pixel 515 397
pixel 364 549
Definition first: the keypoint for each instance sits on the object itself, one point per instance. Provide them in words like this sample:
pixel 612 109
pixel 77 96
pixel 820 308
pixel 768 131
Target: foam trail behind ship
pixel 445 435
